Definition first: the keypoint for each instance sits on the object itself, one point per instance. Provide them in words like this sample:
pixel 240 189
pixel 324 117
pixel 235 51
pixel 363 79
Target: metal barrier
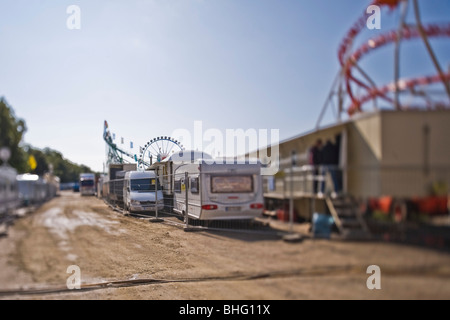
pixel 363 181
pixel 304 181
pixel 183 194
pixel 115 192
pixel 313 184
pixel 385 194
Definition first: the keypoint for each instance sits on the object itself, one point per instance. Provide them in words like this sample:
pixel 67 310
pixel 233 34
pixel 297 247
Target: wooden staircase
pixel 348 218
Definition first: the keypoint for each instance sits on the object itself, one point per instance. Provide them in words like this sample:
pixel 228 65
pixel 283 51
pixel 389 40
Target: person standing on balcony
pixel 316 160
pixel 331 161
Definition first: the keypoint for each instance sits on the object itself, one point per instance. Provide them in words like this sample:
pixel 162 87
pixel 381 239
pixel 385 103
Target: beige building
pixel 403 154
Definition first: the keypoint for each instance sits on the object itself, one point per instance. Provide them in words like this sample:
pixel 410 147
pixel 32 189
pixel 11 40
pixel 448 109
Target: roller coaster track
pixel 115 154
pixel 356 91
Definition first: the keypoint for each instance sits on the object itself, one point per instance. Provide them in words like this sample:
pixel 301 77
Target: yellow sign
pixel 183 187
pixel 32 162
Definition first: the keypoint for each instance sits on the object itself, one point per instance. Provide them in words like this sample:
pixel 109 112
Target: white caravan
pixel 32 189
pixel 9 191
pixel 214 191
pixel 139 192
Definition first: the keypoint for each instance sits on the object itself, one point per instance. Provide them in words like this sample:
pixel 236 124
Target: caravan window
pixel 177 186
pixel 194 185
pixel 232 184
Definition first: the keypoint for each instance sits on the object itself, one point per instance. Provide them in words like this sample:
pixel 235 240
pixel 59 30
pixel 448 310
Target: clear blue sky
pixel 149 67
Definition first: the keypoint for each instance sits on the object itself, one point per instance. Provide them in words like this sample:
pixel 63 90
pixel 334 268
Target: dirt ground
pixel 129 258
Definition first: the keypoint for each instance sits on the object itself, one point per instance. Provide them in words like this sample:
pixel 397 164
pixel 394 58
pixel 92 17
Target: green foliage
pixel 66 170
pixel 12 130
pixel 63 168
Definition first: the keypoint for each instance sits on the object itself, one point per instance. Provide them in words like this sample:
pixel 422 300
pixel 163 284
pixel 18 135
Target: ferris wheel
pixel 158 149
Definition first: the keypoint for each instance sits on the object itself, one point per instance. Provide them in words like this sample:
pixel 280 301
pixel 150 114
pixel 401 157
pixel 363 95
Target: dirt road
pixel 108 247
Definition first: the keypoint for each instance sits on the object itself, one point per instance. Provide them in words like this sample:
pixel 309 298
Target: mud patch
pixel 60 224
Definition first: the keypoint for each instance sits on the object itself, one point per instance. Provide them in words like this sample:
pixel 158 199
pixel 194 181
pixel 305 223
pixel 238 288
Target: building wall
pixel 387 153
pixel 416 152
pixel 404 138
pixel 364 152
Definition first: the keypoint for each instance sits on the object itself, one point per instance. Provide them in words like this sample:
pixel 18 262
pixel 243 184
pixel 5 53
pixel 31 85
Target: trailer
pixel 32 189
pixel 201 188
pixel 9 193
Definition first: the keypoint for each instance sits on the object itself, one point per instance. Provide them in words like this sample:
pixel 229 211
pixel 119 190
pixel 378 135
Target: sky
pixel 150 67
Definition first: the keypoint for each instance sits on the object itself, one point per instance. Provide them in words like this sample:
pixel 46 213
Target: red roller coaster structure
pixel 353 86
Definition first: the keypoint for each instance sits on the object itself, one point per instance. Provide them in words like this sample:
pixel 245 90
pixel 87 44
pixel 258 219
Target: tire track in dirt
pixel 145 260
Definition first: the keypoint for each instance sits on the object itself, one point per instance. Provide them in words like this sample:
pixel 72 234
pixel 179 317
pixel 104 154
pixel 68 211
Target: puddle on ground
pixel 72 257
pixel 60 224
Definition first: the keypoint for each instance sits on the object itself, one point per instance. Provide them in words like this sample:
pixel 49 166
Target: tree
pixel 12 130
pixel 63 168
pixel 41 161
